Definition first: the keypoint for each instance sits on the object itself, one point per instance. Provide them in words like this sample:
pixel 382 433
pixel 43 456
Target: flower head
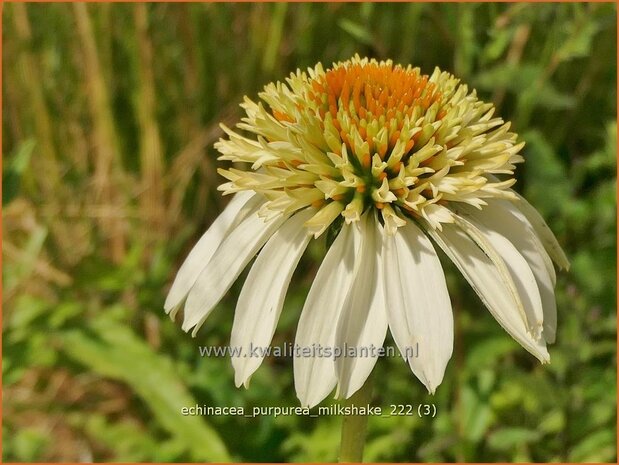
pixel 406 160
pixel 367 135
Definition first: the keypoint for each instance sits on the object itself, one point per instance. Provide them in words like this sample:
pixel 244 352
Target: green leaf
pixel 118 353
pixel 477 414
pixel 547 183
pixel 579 40
pixel 499 41
pixel 599 446
pixel 29 444
pixel 356 30
pixel 131 444
pixel 549 98
pixel 553 423
pixel 489 351
pixel 507 438
pixel 512 77
pixel 526 80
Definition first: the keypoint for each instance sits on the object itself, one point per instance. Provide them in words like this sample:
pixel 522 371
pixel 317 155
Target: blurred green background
pixel 109 116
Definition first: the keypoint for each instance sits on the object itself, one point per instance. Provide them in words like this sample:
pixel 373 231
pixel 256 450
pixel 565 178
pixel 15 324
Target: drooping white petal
pixel 501 251
pixel 502 271
pixel 240 205
pixel 262 297
pixel 363 322
pixel 484 277
pixel 510 214
pixel 418 303
pixel 541 228
pixel 314 377
pixel 545 234
pixel 237 249
pixel 504 217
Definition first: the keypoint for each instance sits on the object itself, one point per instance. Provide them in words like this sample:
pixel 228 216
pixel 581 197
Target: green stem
pixel 355 426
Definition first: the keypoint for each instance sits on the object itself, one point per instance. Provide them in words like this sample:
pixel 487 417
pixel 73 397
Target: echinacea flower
pixel 395 162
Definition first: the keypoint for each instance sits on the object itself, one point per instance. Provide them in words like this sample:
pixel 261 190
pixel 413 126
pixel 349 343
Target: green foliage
pixel 110 113
pixel 118 354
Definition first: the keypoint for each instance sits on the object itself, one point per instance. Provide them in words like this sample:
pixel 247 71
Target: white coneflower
pixel 406 160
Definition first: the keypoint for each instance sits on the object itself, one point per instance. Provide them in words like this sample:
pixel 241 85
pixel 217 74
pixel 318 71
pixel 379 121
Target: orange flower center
pixel 373 91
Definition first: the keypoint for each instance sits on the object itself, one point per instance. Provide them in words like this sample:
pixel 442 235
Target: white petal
pixel 234 253
pixel 501 268
pixel 543 231
pixel 262 298
pixel 314 377
pixel 363 322
pixel 483 275
pixel 501 251
pixel 505 218
pixel 418 303
pixel 240 205
pixel 516 214
pixel 541 228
